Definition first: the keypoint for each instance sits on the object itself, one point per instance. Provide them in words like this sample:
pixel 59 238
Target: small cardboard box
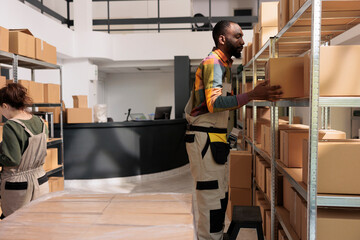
pixel 80 101
pixel 338 166
pixel 2 82
pixel 295 214
pixel 337 79
pixel 283 13
pixel 51 93
pixel 78 115
pixel 44 51
pixel 266 33
pixel 261 166
pixel 4 39
pixel 294 6
pixel 51 159
pixel 288 72
pixel 36 92
pixel 240 165
pixel 268 14
pixel 290 147
pixel 22 42
pixel 259 122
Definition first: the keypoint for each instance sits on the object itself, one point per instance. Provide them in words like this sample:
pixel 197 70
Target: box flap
pixel 24 30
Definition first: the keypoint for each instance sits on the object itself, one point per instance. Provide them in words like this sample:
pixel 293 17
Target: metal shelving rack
pixel 20 61
pixel 306 30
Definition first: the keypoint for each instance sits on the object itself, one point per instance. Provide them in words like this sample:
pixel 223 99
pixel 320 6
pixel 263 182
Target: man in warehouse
pixel 207 113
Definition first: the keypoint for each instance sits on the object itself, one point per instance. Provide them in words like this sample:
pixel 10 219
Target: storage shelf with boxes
pixel 302 27
pixel 19 48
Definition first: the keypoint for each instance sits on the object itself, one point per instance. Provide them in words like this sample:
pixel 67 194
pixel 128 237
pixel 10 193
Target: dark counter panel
pixel 109 150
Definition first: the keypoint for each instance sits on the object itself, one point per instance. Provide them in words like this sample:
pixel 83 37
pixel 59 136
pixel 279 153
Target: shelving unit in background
pixel 17 61
pixel 313 24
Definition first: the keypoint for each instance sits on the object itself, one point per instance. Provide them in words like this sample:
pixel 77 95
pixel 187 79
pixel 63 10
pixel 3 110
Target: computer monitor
pixel 162 112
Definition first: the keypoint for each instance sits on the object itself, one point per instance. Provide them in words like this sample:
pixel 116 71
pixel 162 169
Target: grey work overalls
pixel 28 181
pixel 210 175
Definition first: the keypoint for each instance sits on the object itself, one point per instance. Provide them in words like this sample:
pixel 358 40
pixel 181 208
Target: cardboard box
pixel 54 110
pixel 294 6
pixel 4 39
pixel 302 2
pixel 249 51
pixel 51 93
pixel 268 183
pixel 290 147
pixel 80 101
pixel 44 51
pixel 303 220
pixel 283 13
pixel 296 120
pixel 266 33
pixel 56 184
pixel 261 166
pixel 36 92
pixel 295 214
pixel 22 42
pixel 264 206
pixel 238 197
pixel 335 176
pixel 78 115
pixel 334 224
pixel 279 190
pixel 288 72
pixel 259 122
pixel 336 78
pixel 240 168
pixel 2 82
pixel 243 56
pixel 255 41
pixel 288 194
pixel 268 225
pixel 282 235
pixel 261 112
pixel 257 28
pixel 51 159
pixel 268 14
pixel 258 197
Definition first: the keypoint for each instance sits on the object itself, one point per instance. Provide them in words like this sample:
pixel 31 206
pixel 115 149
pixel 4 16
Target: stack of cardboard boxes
pixel 80 113
pixel 240 164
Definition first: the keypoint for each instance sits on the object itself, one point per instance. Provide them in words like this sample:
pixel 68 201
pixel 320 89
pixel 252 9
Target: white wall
pixel 141 92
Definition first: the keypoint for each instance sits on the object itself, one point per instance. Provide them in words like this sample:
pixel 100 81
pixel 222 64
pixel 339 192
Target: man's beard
pixel 233 50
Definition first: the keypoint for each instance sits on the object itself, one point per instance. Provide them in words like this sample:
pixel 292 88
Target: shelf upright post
pixel 274 129
pixel 33 79
pixel 314 118
pixel 61 119
pixel 15 68
pixel 243 108
pixel 291 115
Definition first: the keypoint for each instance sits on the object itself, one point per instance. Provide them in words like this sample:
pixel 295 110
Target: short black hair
pixel 220 29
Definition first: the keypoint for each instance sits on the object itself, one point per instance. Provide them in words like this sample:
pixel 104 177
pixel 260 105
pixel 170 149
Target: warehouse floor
pixel 177 181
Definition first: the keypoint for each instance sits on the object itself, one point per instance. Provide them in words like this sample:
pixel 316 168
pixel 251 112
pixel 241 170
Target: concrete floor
pixel 177 181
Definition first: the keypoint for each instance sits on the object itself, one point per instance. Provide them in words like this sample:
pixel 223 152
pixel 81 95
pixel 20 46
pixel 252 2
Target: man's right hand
pixel 264 91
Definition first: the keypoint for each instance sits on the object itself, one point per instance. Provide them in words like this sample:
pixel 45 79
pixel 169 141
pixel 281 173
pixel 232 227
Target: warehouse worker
pixel 207 114
pixel 23 152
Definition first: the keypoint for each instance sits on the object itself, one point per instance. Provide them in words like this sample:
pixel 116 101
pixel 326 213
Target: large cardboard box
pixel 283 13
pixel 44 51
pixel 36 92
pixel 268 14
pixel 22 42
pixel 288 72
pixel 78 115
pixel 295 214
pixel 240 165
pixel 294 6
pixel 290 147
pixel 4 39
pixel 338 164
pixel 266 33
pixel 339 72
pixel 51 93
pixel 80 101
pixel 51 159
pixel 238 197
pixel 334 224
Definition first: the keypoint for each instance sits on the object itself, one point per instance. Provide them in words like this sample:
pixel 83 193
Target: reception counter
pixel 121 149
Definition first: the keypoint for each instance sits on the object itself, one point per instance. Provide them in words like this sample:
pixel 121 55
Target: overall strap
pixel 22 124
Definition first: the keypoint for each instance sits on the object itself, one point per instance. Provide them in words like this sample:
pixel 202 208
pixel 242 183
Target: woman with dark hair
pixel 23 151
